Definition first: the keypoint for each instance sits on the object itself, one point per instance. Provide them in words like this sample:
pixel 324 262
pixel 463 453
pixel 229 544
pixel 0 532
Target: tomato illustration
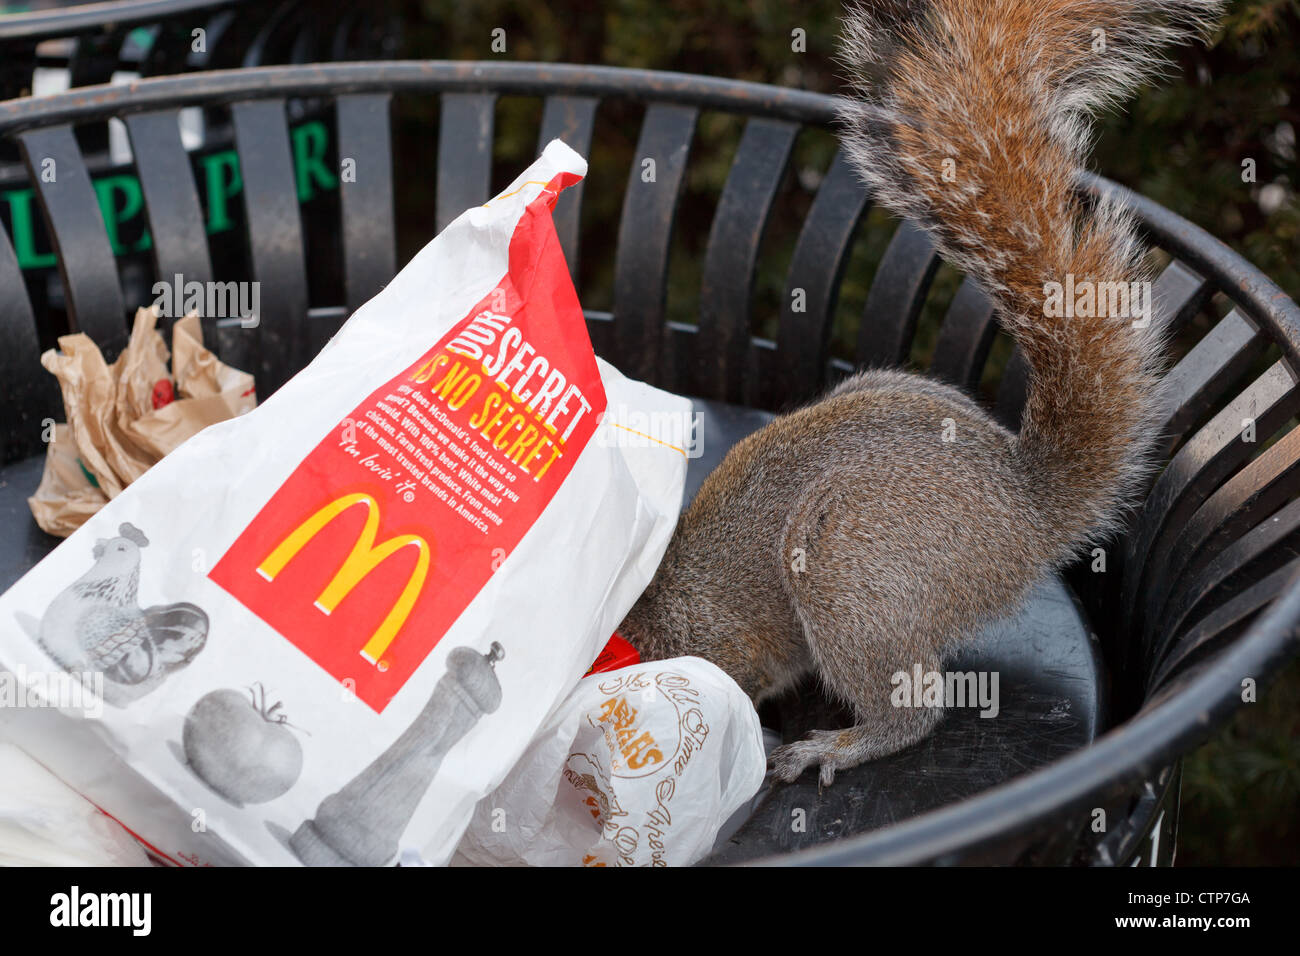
pixel 240 747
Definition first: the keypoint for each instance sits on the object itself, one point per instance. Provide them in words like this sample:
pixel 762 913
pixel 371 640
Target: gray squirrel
pixel 848 538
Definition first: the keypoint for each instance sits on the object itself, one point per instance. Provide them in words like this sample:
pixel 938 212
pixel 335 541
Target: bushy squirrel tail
pixel 972 117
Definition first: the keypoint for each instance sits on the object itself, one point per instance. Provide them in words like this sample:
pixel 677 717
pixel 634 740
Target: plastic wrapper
pixel 639 767
pixel 43 822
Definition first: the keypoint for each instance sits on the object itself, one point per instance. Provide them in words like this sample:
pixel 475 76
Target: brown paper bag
pixel 123 418
pixel 208 391
pixel 67 495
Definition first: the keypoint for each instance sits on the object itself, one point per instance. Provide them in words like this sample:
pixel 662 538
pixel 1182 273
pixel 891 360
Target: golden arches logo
pixel 364 558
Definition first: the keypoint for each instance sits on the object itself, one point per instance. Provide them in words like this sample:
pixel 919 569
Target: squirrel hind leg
pixel 863 678
pixel 832 750
pixel 860 669
pixel 857 608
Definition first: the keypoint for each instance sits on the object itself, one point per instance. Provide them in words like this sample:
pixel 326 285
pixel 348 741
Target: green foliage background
pixel 1184 142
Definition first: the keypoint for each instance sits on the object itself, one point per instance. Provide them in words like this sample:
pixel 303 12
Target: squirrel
pixel 848 538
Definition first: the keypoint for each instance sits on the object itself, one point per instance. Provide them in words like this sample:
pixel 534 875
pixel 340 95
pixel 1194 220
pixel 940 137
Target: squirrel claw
pixel 821 747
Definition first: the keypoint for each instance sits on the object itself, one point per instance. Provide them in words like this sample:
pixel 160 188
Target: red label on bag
pixel 391 526
pixel 617 653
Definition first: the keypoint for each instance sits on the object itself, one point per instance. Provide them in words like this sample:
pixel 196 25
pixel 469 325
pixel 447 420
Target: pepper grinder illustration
pixel 362 823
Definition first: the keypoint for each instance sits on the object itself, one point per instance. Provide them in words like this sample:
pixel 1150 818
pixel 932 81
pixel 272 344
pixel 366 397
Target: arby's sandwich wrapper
pixel 640 766
pixel 321 632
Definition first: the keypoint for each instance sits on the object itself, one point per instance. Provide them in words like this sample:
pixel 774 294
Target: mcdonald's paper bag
pixel 322 631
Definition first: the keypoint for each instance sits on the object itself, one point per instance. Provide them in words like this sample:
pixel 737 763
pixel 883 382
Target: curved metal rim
pixel 89 17
pixel 1263 300
pixel 458 76
pixel 1139 747
pixel 1259 295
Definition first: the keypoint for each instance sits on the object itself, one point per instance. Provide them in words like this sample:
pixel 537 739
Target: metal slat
pixel 1218 360
pixel 274 31
pixel 464 154
pixel 30 392
pixel 722 348
pixel 368 228
pixel 1249 551
pixel 170 50
pixel 95 57
pixel 283 340
pixel 1178 294
pixel 180 245
pixel 339 44
pixel 896 296
pixel 816 269
pixel 310 31
pixel 645 234
pixel 570 118
pixel 1192 475
pixel 1222 620
pixel 1255 492
pixel 1013 390
pixel 228 33
pixel 71 210
pixel 16 68
pixel 965 337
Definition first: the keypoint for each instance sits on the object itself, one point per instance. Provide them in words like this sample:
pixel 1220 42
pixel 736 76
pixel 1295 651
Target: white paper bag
pixel 321 632
pixel 639 767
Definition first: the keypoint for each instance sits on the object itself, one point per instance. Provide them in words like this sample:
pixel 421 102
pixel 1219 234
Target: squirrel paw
pixel 827 748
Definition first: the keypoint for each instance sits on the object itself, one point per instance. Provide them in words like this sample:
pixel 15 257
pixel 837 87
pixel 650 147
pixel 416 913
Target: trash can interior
pixel 1181 609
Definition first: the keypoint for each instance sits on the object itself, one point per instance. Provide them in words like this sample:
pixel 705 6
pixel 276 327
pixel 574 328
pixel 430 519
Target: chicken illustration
pixel 96 624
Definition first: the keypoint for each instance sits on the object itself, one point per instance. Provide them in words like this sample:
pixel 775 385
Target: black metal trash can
pixel 76 45
pixel 157 37
pixel 1113 672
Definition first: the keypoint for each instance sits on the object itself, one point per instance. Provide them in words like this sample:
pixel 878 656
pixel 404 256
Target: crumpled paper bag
pixel 123 418
pixel 638 767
